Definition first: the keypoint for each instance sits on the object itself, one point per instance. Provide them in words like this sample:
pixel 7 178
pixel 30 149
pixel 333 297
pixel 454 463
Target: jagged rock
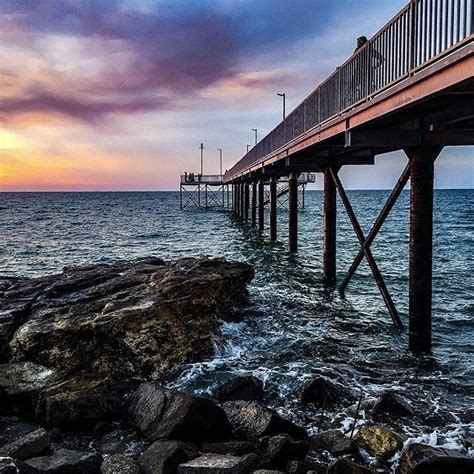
pixel 65 460
pixel 347 466
pixel 160 413
pixel 12 428
pixel 241 388
pixel 164 457
pixel 219 464
pixel 8 466
pixel 304 467
pixel 276 451
pixel 120 464
pixel 121 441
pixel 235 447
pixel 24 377
pixel 392 404
pixel 120 322
pixel 27 446
pixel 379 441
pixel 423 459
pixel 250 420
pixel 322 391
pixel 333 441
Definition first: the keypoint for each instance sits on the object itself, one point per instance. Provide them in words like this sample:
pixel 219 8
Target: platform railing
pixel 424 31
pixel 194 178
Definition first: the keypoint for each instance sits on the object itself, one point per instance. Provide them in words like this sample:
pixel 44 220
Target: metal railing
pixel 194 178
pixel 422 32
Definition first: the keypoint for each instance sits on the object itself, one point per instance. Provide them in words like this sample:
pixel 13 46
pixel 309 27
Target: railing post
pixel 273 208
pixel 412 39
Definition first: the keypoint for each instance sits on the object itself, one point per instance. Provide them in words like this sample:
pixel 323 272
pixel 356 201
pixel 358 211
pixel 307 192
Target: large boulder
pixel 24 377
pixel 333 441
pixel 379 441
pixel 27 446
pixel 393 405
pixel 276 451
pixel 160 413
pixel 322 391
pixel 241 388
pixel 120 464
pixel 164 457
pixel 423 459
pixel 64 461
pixel 250 420
pixel 219 464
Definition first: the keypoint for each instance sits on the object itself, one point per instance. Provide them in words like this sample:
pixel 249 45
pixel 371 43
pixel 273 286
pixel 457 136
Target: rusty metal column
pixel 293 212
pixel 273 208
pixel 254 203
pixel 329 237
pixel 421 247
pixel 246 201
pixel 261 204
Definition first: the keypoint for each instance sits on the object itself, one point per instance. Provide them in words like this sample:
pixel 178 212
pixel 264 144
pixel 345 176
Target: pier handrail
pixel 423 32
pixel 192 178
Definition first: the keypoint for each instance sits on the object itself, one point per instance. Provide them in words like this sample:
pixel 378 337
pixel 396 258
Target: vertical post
pixel 273 208
pixel 421 247
pixel 254 203
pixel 205 195
pixel 246 202
pixel 199 196
pixel 181 196
pixel 261 206
pixel 242 200
pixel 293 212
pixel 329 238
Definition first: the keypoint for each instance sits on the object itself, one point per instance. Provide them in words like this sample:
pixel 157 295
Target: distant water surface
pixel 293 327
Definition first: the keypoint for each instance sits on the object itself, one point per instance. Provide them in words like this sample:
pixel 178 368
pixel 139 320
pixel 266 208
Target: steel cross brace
pixel 367 252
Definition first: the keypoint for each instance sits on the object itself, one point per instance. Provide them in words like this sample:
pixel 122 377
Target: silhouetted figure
pixel 361 40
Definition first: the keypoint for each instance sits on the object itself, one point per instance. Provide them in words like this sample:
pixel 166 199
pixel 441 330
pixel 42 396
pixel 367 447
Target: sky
pixel 118 94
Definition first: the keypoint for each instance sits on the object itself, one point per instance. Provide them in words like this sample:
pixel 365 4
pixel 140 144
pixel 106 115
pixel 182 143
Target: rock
pixel 250 420
pixel 236 448
pixel 12 428
pixel 276 451
pixel 303 467
pixel 161 413
pixel 322 391
pixel 27 446
pixel 241 388
pixel 422 459
pixel 379 441
pixel 393 405
pixel 121 441
pixel 268 471
pixel 24 377
pixel 122 322
pixel 65 460
pixel 120 464
pixel 219 464
pixel 7 466
pixel 346 466
pixel 333 441
pixel 164 457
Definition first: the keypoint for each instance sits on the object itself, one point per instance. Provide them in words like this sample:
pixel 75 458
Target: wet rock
pixel 322 391
pixel 333 441
pixel 161 413
pixel 276 451
pixel 379 441
pixel 393 405
pixel 121 441
pixel 250 420
pixel 422 459
pixel 8 466
pixel 65 460
pixel 347 466
pixel 12 428
pixel 236 448
pixel 24 377
pixel 164 457
pixel 122 322
pixel 219 464
pixel 27 446
pixel 120 464
pixel 241 388
pixel 304 467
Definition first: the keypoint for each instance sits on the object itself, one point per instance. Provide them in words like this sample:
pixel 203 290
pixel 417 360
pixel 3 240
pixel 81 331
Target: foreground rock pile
pixel 81 356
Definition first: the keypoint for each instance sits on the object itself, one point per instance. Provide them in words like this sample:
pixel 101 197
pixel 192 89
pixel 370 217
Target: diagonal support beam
pixel 368 254
pixel 392 199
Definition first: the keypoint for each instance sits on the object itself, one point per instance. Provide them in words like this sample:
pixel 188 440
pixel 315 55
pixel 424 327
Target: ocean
pixel 293 327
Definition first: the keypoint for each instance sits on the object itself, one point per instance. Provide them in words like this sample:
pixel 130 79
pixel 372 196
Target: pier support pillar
pixel 329 238
pixel 242 200
pixel 254 203
pixel 273 208
pixel 261 205
pixel 293 212
pixel 246 201
pixel 421 247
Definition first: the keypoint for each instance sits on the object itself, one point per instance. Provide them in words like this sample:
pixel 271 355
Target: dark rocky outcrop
pixel 164 457
pixel 64 460
pixel 250 420
pixel 275 451
pixel 333 441
pixel 393 405
pixel 322 391
pixel 160 413
pixel 27 446
pixel 219 464
pixel 379 441
pixel 241 388
pixel 120 464
pixel 423 459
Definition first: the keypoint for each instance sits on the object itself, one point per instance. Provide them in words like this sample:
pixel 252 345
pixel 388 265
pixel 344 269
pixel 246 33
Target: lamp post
pixel 248 148
pixel 220 160
pixel 256 137
pixel 283 96
pixel 202 157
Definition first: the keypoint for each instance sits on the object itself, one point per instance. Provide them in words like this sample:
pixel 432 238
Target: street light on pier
pixel 283 96
pixel 202 157
pixel 248 148
pixel 256 137
pixel 220 159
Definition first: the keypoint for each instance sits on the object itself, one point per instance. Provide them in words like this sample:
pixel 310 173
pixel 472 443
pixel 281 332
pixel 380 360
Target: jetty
pixel 410 87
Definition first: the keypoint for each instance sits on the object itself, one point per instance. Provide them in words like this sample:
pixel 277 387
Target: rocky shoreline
pixel 84 360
